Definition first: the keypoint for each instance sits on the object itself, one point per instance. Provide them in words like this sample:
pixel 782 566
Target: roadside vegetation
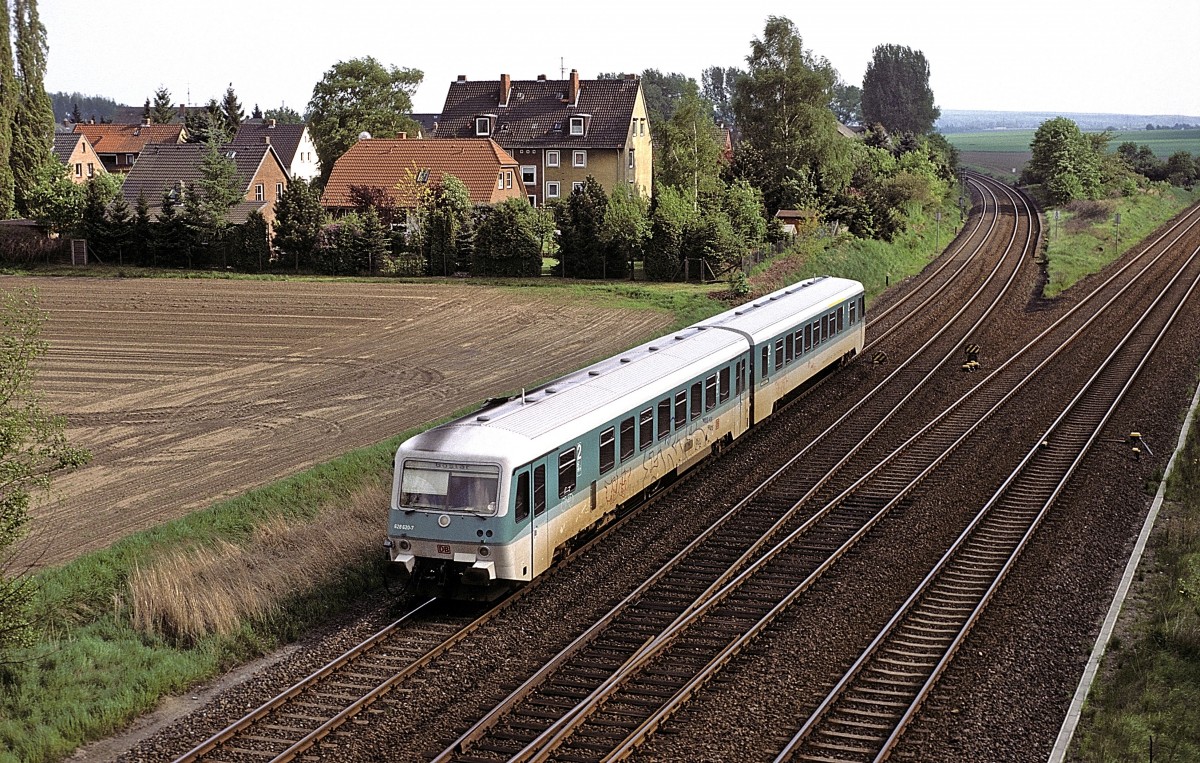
pixel 1144 704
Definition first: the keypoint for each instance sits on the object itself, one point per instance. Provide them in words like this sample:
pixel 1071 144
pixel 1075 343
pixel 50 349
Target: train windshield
pixel 440 486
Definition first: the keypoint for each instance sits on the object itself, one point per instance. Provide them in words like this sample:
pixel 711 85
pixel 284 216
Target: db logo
pixel 443 548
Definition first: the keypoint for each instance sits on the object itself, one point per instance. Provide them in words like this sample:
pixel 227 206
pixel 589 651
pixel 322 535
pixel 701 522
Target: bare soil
pixel 188 392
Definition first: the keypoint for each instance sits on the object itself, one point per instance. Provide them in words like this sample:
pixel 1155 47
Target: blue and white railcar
pixel 494 495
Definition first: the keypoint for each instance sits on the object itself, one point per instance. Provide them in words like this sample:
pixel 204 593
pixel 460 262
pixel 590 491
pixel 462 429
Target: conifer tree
pixel 162 111
pixel 231 110
pixel 8 105
pixel 33 118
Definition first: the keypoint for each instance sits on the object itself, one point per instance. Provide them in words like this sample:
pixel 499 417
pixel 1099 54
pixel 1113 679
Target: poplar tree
pixel 8 104
pixel 33 118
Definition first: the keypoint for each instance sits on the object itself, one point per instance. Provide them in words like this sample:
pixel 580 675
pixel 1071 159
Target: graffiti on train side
pixel 656 462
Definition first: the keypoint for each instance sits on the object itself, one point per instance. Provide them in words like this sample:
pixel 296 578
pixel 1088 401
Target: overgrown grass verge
pixel 1084 237
pixel 1149 693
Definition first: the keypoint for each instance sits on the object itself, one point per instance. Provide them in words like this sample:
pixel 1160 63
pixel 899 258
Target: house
pixel 292 143
pixel 75 151
pixel 402 167
pixel 119 145
pixel 560 131
pixel 172 168
pixel 794 221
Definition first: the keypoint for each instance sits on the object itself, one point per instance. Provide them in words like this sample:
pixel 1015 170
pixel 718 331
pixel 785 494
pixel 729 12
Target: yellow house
pixel 559 131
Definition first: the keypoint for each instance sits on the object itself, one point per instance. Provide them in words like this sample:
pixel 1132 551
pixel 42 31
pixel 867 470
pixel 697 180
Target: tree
pixel 172 242
pixel 1064 161
pixel 790 144
pixel 9 93
pixel 356 96
pixel 847 103
pixel 662 93
pixel 33 118
pixel 118 234
pixel 32 450
pixel 372 243
pixel 219 189
pixel 507 241
pixel 444 227
pixel 162 111
pixel 142 232
pixel 284 116
pixel 670 219
pixel 55 201
pixel 257 113
pixel 626 228
pixel 207 124
pixel 896 90
pixel 231 110
pixel 98 193
pixel 250 248
pixel 718 86
pixel 582 252
pixel 689 156
pixel 299 219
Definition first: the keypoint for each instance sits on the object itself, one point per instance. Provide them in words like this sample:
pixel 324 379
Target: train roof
pixel 582 400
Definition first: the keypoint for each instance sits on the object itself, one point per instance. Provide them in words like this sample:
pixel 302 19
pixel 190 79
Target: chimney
pixel 505 89
pixel 267 140
pixel 270 124
pixel 401 136
pixel 462 78
pixel 573 92
pixel 631 76
pixel 145 121
pixel 541 78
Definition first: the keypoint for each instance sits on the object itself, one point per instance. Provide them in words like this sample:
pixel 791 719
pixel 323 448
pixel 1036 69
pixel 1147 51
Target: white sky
pixel 1021 55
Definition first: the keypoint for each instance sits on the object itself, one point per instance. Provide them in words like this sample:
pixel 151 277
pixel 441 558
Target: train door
pixel 529 504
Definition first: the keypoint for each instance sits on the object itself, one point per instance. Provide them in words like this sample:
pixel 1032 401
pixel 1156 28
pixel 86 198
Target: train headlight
pixel 484 551
pixel 404 545
pixel 444 520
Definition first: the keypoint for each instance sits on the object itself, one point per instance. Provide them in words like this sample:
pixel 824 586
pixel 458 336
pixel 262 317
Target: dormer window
pixel 423 176
pixel 577 125
pixel 483 126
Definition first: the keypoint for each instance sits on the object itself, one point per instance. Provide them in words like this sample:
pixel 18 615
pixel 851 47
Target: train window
pixel 841 314
pixel 799 343
pixel 646 428
pixel 741 377
pixel 710 393
pixel 566 472
pixel 627 444
pixel 680 409
pixel 539 490
pixel 440 486
pixel 862 307
pixel 522 497
pixel 763 367
pixel 853 308
pixel 824 327
pixel 664 418
pixel 608 449
pixel 808 337
pixel 697 403
pixel 789 348
pixel 778 354
pixel 723 384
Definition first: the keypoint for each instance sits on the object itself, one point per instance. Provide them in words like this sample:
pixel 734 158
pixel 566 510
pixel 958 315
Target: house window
pixel 423 176
pixel 577 125
pixel 552 189
pixel 483 126
pixel 258 192
pixel 508 175
pixel 500 181
pixel 631 162
pixel 91 169
pixel 576 186
pixel 528 174
pixel 551 158
pixel 78 170
pixel 129 158
pixel 579 158
pixel 278 190
pixel 643 126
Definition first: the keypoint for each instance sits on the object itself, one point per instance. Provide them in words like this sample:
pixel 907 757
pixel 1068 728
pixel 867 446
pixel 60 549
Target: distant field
pixel 1162 142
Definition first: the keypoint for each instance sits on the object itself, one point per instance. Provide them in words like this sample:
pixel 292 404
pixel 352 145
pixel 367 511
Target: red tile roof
pixel 128 139
pixel 396 165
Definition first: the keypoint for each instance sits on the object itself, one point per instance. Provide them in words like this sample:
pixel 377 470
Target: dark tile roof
pixel 285 139
pixel 64 145
pixel 161 167
pixel 538 115
pixel 428 122
pixel 392 163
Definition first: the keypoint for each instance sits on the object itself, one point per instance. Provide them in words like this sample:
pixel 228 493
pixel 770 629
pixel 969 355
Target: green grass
pixel 1162 142
pixel 1084 238
pixel 1150 685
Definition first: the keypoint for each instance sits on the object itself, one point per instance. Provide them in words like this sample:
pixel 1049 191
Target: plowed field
pixel 191 391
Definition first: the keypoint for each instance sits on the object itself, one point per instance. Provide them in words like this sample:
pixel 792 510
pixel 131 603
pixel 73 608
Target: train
pixel 487 501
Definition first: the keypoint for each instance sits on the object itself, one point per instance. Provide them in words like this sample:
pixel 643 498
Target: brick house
pixel 119 145
pixel 402 167
pixel 292 143
pixel 171 168
pixel 559 131
pixel 75 151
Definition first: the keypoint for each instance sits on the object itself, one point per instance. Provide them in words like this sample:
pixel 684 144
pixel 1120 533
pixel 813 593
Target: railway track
pixel 246 739
pixel 864 715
